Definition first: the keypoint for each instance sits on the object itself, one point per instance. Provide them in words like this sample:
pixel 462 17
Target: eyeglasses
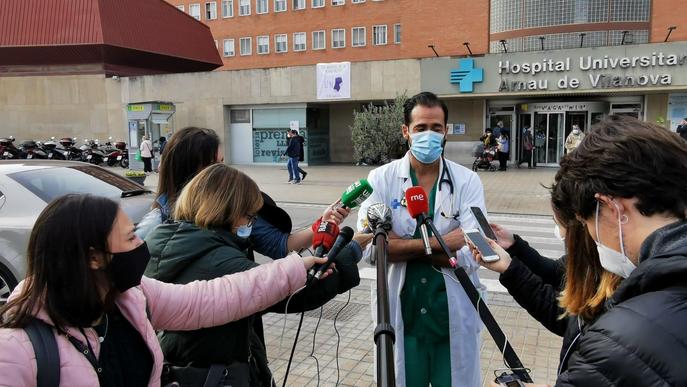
pixel 251 220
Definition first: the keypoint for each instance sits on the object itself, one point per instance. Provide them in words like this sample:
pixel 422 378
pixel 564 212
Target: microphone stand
pixel 384 335
pixel 511 358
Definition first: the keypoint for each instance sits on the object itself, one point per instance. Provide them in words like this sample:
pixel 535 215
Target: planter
pixel 137 179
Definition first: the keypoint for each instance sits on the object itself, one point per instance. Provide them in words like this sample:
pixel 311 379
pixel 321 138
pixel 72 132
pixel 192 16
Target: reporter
pixel 85 281
pixel 214 216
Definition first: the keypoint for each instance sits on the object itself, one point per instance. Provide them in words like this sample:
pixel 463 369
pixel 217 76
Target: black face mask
pixel 126 269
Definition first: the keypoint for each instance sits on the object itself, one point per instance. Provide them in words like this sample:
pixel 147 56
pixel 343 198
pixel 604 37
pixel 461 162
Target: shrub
pixel 376 132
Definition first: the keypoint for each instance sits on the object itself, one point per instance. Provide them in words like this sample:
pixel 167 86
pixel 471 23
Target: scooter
pixel 92 153
pixel 8 150
pixel 118 155
pixel 69 149
pixel 51 150
pixel 32 150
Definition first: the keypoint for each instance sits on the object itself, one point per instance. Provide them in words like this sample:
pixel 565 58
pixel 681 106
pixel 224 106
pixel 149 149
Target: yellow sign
pixel 136 108
pixel 168 108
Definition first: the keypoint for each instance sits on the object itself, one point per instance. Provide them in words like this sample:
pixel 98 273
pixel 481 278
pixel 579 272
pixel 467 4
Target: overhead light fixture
pixel 503 44
pixel 435 51
pixel 670 31
pixel 541 40
pixel 467 45
pixel 582 34
pixel 622 41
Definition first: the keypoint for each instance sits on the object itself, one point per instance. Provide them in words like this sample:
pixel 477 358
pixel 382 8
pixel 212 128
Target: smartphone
pixel 477 239
pixel 483 223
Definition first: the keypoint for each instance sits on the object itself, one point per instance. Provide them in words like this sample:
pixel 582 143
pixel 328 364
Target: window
pixel 299 41
pixel 228 8
pixel 279 5
pixel 211 10
pixel 281 43
pixel 298 4
pixel 358 37
pixel 244 7
pixel 194 11
pixel 318 40
pixel 263 45
pixel 317 3
pixel 246 45
pixel 180 8
pixel 338 2
pixel 338 38
pixel 379 35
pixel 397 33
pixel 261 6
pixel 357 1
pixel 229 47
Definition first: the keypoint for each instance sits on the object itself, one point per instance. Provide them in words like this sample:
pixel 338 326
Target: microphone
pixel 324 236
pixel 344 238
pixel 379 216
pixel 418 206
pixel 356 194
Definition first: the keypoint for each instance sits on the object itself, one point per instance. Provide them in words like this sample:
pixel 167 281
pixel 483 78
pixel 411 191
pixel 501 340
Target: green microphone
pixel 356 194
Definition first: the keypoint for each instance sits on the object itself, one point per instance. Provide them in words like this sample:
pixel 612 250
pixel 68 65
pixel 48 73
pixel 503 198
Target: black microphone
pixel 345 236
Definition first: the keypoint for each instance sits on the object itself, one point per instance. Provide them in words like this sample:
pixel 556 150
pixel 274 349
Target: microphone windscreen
pixel 324 234
pixel 356 193
pixel 417 202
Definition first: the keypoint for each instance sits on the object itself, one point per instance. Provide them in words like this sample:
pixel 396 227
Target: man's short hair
pixel 627 158
pixel 426 99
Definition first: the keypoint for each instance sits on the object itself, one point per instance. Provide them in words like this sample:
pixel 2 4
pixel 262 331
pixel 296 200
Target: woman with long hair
pixel 85 281
pixel 207 241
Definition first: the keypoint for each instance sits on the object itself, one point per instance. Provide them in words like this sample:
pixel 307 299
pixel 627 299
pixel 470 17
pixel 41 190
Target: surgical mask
pixel 126 269
pixel 557 233
pixel 244 231
pixel 426 146
pixel 576 131
pixel 611 260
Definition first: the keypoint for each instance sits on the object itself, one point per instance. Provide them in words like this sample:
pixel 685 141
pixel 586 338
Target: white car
pixel 27 186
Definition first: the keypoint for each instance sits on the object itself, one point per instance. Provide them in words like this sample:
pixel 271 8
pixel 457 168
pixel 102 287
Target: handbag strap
pixel 46 351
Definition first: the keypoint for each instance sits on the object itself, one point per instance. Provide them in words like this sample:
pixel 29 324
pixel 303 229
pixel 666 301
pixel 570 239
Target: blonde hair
pixel 218 197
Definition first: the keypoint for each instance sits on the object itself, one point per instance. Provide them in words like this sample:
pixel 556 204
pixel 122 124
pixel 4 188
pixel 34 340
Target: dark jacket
pixel 182 253
pixel 682 131
pixel 535 283
pixel 641 340
pixel 295 147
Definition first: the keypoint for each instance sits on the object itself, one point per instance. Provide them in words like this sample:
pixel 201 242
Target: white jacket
pixel 146 148
pixel 389 183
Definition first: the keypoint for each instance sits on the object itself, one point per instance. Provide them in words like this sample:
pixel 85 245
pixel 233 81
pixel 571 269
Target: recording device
pixel 483 223
pixel 418 206
pixel 345 237
pixel 508 380
pixel 355 194
pixel 379 215
pixel 477 239
pixel 324 234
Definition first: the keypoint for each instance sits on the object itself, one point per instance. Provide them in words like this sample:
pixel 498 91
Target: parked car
pixel 27 186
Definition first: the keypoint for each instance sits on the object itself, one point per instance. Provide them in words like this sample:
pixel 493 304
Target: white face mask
pixel 557 233
pixel 611 260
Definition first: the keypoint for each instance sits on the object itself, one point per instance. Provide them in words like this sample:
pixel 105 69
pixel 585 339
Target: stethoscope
pixel 447 178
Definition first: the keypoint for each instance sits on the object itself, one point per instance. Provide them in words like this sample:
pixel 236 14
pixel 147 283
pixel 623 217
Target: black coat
pixel 642 338
pixel 682 131
pixel 535 283
pixel 295 147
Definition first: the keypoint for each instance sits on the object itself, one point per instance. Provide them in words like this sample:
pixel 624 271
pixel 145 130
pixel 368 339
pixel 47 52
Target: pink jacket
pixel 200 304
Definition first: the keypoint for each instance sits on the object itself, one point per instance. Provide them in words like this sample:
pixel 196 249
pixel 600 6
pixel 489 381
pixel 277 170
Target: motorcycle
pixel 32 150
pixel 8 151
pixel 51 150
pixel 118 155
pixel 92 153
pixel 69 149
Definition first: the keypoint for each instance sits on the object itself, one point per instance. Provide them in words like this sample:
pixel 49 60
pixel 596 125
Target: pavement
pixel 342 339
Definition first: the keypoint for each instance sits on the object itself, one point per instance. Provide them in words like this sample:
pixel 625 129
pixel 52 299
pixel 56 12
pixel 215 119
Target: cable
pixel 312 352
pixel 286 311
pixel 338 337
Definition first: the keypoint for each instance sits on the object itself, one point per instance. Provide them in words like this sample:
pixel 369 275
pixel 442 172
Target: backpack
pixel 47 354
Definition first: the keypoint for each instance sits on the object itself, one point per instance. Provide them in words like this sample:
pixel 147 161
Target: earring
pixel 624 219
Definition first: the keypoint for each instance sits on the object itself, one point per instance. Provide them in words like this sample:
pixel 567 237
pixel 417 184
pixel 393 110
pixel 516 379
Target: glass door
pixel 504 122
pixel 549 138
pixel 524 123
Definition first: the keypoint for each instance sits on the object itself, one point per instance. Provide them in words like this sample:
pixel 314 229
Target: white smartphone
pixel 477 239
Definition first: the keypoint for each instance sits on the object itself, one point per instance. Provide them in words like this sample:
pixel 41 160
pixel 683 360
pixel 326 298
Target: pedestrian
pixel 102 311
pixel 503 150
pixel 161 144
pixel 437 332
pixel 682 129
pixel 204 243
pixel 488 139
pixel 293 152
pixel 574 139
pixel 527 147
pixel 634 208
pixel 146 149
pixel 301 157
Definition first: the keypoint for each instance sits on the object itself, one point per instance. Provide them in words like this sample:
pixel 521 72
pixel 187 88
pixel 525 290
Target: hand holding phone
pixel 502 261
pixel 476 239
pixel 483 223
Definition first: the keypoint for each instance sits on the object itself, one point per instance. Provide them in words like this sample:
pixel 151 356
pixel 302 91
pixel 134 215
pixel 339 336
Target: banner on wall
pixel 334 80
pixel 269 145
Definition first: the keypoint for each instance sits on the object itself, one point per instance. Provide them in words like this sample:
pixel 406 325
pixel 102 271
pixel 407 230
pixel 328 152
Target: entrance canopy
pixel 122 37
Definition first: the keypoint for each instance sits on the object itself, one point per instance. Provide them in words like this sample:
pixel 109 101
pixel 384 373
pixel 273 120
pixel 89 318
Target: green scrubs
pixel 424 305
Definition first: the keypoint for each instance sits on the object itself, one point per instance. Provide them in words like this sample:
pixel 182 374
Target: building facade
pixel 253 99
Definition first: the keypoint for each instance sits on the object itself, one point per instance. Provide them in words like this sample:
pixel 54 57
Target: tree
pixel 376 132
